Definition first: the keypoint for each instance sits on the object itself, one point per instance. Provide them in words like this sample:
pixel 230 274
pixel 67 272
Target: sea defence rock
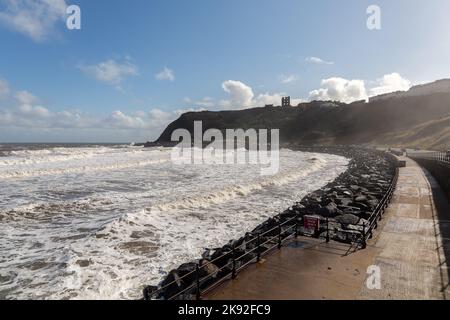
pixel 345 204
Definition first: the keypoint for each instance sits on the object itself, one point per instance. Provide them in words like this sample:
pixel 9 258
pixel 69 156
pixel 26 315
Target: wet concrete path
pixel 410 247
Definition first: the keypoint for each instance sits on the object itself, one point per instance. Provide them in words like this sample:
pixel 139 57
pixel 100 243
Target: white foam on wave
pixel 232 192
pixel 50 155
pixel 183 230
pixel 125 228
pixel 86 168
pixel 52 162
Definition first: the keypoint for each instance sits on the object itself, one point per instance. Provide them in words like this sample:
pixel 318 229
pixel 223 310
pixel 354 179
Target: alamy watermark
pixel 73 21
pixel 238 146
pixel 373 281
pixel 374 18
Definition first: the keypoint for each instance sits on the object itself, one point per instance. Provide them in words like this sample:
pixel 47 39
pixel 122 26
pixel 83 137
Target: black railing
pixel 264 243
pixel 372 224
pixel 367 228
pixel 254 249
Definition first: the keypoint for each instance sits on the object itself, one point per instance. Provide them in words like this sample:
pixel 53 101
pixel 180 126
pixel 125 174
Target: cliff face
pixel 439 86
pixel 419 120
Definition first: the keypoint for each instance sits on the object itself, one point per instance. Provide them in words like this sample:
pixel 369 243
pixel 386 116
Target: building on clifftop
pixel 286 101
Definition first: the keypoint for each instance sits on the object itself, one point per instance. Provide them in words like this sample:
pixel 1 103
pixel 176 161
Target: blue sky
pixel 136 65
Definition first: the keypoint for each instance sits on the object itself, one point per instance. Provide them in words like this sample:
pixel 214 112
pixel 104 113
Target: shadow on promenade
pixel 442 226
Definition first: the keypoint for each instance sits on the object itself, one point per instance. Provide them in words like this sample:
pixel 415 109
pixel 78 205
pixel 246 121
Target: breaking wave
pixel 102 222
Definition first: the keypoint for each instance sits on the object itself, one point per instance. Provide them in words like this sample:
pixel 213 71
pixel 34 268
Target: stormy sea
pixel 86 221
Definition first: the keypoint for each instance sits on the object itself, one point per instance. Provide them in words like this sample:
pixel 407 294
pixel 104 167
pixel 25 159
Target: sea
pixel 102 221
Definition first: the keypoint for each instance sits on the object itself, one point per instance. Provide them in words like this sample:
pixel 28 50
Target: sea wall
pixel 440 171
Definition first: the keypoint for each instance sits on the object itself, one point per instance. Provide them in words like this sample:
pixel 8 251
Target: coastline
pixel 346 203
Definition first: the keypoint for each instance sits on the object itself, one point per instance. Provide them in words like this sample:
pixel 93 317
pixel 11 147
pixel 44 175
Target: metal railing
pixel 367 228
pixel 437 164
pixel 197 283
pixel 431 155
pixel 263 243
pixel 379 211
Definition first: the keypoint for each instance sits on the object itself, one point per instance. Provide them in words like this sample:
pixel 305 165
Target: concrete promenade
pixel 411 247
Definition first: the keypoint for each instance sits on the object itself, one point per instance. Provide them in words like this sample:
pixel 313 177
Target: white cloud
pixel 240 94
pixel 26 98
pixel 275 99
pixel 4 89
pixel 340 89
pixel 31 116
pixel 344 90
pixel 317 60
pixel 33 111
pixel 34 18
pixel 42 123
pixel 26 113
pixel 390 83
pixel 71 125
pixel 267 98
pixel 166 74
pixel 154 120
pixel 27 107
pixel 288 78
pixel 122 121
pixel 110 71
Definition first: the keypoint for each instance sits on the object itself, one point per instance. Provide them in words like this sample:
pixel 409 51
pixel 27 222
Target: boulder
pixel 329 211
pixel 172 285
pixel 344 201
pixel 187 272
pixel 361 198
pixel 347 219
pixel 350 210
pixel 150 293
pixel 209 269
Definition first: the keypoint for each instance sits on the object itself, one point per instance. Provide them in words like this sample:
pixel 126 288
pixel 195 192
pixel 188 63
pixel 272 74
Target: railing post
pixel 197 280
pixel 258 248
pixel 364 244
pixel 328 231
pixel 279 235
pixel 233 272
pixel 296 228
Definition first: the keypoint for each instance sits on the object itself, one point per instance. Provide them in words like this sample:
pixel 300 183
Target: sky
pixel 135 66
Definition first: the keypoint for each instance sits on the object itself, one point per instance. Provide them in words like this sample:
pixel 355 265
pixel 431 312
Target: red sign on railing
pixel 311 223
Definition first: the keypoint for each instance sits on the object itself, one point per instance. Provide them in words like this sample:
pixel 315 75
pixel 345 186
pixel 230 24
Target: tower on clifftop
pixel 286 101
